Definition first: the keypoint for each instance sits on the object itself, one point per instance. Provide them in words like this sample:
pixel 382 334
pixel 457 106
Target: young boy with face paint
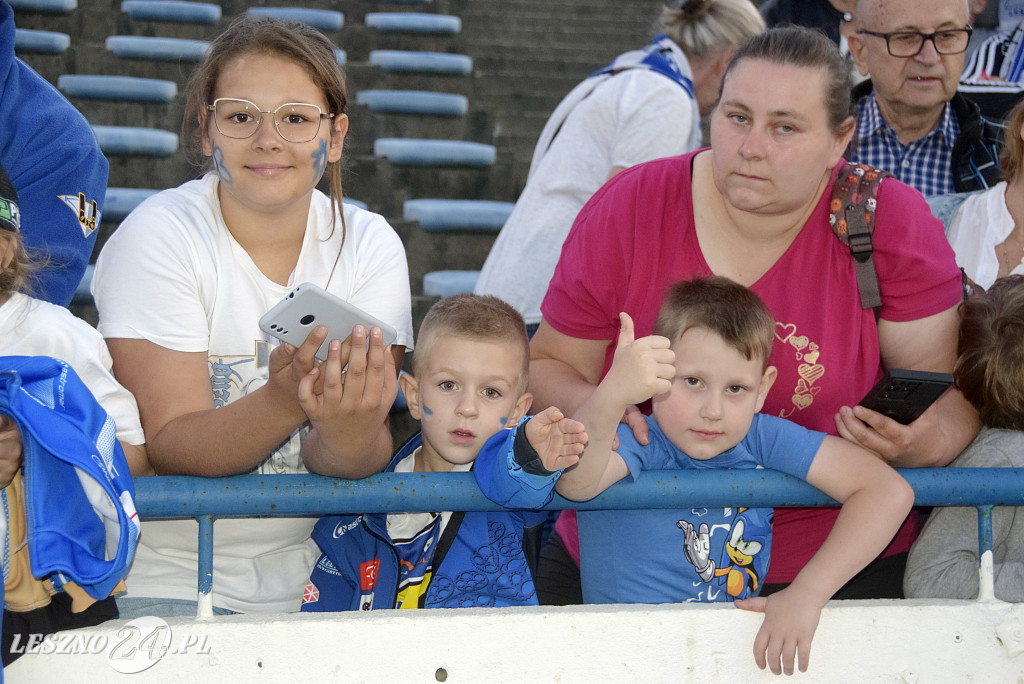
pixel 467 389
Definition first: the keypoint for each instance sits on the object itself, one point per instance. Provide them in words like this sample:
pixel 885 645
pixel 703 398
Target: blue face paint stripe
pixel 503 420
pixel 319 159
pixel 218 165
pixel 427 411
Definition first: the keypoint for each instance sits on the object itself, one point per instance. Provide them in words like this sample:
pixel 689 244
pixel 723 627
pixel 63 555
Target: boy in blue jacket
pixel 467 389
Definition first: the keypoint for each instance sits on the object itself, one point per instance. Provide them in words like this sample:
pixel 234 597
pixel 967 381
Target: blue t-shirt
pixel 640 556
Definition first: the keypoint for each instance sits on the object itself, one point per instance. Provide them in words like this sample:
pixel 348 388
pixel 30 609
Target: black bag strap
pixel 852 217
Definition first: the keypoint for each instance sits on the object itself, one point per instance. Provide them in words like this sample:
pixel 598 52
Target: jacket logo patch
pixel 10 218
pixel 311 593
pixel 368 574
pixel 343 527
pixel 88 212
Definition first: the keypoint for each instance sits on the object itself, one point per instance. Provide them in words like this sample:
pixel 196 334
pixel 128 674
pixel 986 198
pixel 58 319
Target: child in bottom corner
pixel 467 389
pixel 706 368
pixel 31 329
pixel 943 563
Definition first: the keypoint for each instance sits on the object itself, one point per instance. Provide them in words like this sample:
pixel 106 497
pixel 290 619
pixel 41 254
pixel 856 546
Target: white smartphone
pixel 307 306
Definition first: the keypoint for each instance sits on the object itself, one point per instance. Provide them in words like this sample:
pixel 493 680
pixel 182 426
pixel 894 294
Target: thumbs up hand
pixel 640 368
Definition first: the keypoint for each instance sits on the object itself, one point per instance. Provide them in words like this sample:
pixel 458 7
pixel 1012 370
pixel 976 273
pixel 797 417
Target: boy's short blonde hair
pixel 475 317
pixel 990 354
pixel 731 311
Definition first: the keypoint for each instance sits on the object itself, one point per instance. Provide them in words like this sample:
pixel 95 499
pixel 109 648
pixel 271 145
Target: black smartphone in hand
pixel 904 395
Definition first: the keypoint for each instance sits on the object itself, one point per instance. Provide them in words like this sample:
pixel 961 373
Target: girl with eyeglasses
pixel 182 283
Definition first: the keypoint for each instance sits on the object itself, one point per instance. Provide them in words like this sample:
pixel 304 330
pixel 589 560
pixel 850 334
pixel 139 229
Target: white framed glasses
pixel 297 122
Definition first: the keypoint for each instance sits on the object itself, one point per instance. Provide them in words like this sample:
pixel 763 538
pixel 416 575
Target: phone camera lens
pixel 307 319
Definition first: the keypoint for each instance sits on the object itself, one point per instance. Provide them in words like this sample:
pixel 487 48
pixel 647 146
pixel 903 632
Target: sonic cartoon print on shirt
pixel 743 550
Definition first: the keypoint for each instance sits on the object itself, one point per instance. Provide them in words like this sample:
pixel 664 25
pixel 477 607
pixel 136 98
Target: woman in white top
pixel 987 231
pixel 182 283
pixel 646 104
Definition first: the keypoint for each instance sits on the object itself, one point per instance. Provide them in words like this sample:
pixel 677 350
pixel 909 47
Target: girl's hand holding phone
pixel 351 393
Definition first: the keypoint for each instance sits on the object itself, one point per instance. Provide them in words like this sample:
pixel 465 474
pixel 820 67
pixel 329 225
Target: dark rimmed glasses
pixel 909 43
pixel 297 122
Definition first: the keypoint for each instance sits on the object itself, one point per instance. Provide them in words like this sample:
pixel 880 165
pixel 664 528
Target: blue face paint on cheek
pixel 319 160
pixel 503 420
pixel 218 165
pixel 426 411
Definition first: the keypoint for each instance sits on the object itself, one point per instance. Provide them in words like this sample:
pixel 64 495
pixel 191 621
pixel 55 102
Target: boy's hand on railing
pixel 640 368
pixel 790 620
pixel 557 440
pixel 10 450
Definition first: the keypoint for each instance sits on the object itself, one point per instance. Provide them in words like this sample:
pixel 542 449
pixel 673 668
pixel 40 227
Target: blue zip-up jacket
pixel 478 561
pixel 76 476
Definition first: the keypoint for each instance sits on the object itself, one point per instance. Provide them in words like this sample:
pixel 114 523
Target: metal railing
pixel 206 499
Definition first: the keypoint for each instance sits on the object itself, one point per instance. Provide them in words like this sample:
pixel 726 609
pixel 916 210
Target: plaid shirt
pixel 923 164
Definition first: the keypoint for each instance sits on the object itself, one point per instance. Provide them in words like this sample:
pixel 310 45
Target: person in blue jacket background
pixel 468 390
pixel 54 160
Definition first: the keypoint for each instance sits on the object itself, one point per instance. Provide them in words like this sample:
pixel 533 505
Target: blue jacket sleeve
pixel 502 478
pixel 54 161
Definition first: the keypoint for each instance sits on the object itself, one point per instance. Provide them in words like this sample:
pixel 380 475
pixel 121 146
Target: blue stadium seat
pixel 120 202
pixel 341 56
pixel 412 22
pixel 418 152
pixel 49 42
pixel 413 102
pixel 457 214
pixel 172 10
pixel 447 283
pixel 117 88
pixel 126 141
pixel 424 62
pixel 325 20
pixel 43 5
pixel 157 49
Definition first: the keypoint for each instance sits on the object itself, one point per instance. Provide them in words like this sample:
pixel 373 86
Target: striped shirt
pixel 923 164
pixel 1000 59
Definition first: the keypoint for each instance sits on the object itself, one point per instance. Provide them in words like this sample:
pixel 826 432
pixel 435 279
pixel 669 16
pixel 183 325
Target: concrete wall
pixel 906 642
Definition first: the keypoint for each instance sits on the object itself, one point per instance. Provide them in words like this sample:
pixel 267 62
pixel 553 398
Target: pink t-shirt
pixel 635 238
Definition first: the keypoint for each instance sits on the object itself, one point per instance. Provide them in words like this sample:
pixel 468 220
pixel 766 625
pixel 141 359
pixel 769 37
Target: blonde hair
pixel 21 274
pixel 475 317
pixel 705 27
pixel 1011 158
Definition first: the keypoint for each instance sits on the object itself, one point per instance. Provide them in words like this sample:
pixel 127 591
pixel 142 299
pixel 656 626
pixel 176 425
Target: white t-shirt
pixel 173 274
pixel 631 117
pixel 981 223
pixel 32 327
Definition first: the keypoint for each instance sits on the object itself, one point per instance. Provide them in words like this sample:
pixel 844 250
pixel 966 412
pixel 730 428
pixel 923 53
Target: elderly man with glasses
pixel 911 120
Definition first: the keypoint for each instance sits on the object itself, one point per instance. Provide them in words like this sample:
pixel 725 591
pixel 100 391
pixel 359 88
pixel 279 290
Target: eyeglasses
pixel 295 121
pixel 909 43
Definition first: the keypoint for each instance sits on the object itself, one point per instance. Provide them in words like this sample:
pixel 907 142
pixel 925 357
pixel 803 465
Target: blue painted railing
pixel 312 495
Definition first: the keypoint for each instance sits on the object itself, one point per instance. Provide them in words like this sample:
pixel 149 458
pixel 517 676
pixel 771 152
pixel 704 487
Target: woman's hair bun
pixel 694 9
